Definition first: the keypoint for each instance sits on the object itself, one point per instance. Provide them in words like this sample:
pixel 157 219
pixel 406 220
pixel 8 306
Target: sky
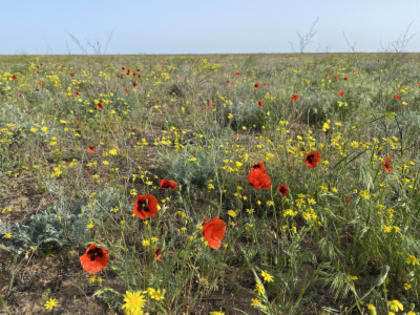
pixel 203 27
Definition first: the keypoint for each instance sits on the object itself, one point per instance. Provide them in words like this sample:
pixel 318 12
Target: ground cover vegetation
pixel 246 184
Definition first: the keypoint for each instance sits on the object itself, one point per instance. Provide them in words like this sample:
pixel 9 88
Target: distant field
pixel 294 184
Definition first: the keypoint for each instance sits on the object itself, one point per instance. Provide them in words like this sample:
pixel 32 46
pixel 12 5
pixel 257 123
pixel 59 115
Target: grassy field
pixel 311 164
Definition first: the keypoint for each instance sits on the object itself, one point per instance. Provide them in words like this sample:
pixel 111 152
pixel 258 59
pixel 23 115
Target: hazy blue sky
pixel 200 26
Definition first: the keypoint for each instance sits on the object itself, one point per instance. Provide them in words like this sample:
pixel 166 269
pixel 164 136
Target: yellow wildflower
pixel 267 277
pixel 51 303
pixel 395 305
pixel 134 302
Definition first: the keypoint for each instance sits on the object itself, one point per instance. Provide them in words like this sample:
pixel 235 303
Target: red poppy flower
pixel 340 93
pixel 229 90
pixel 128 72
pixel 347 200
pixel 71 74
pixel 260 103
pixel 135 84
pixel 14 78
pixel 214 231
pixel 209 104
pixel 121 76
pixel 168 184
pixel 265 83
pixel 258 177
pixel 397 97
pixel 145 206
pixel 257 85
pixel 99 106
pixel 94 259
pixel 122 68
pixel 227 81
pixel 157 253
pixel 387 164
pixel 237 74
pixel 283 190
pixel 295 98
pixel 20 95
pixel 326 75
pixel 41 83
pixel 90 172
pixel 346 79
pixel 335 78
pixel 91 149
pixel 312 159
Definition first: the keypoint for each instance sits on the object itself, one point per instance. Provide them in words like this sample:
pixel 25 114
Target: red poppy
pixel 135 84
pixel 258 177
pixel 347 200
pixel 122 68
pixel 295 98
pixel 20 95
pixel 214 231
pixel 326 75
pixel 312 159
pixel 128 72
pixel 227 81
pixel 14 78
pixel 265 83
pixel 346 79
pixel 145 206
pixel 94 259
pixel 387 164
pixel 237 74
pixel 121 76
pixel 335 78
pixel 397 97
pixel 229 90
pixel 157 253
pixel 99 106
pixel 209 104
pixel 168 184
pixel 71 74
pixel 41 83
pixel 260 103
pixel 257 85
pixel 283 190
pixel 340 93
pixel 91 149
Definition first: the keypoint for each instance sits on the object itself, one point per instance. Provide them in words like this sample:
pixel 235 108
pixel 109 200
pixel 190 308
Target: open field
pixel 311 163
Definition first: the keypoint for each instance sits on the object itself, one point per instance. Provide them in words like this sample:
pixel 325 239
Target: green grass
pixel 345 237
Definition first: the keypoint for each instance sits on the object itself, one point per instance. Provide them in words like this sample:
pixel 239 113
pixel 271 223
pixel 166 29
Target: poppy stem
pixel 274 207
